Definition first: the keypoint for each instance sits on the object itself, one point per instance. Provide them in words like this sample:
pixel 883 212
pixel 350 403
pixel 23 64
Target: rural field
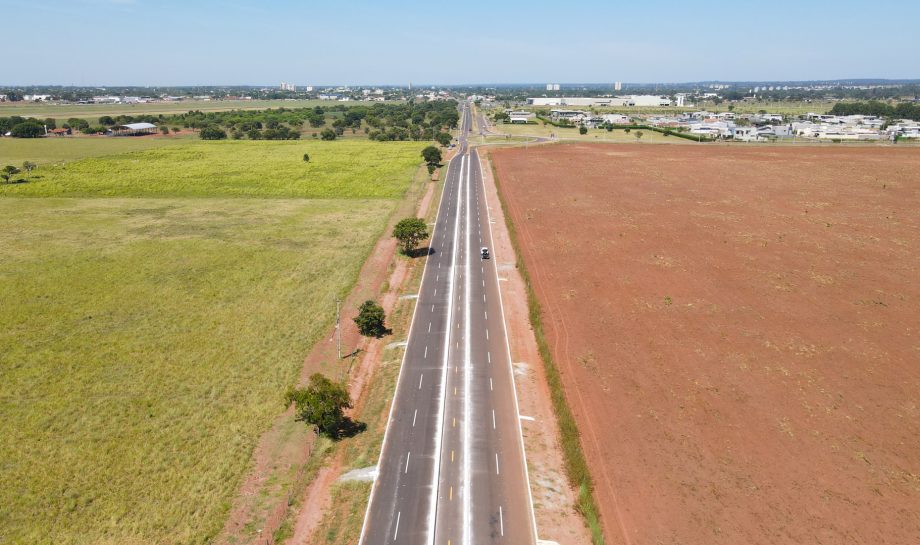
pixel 593 135
pixel 43 151
pixel 154 306
pixel 736 334
pixel 62 112
pixel 353 168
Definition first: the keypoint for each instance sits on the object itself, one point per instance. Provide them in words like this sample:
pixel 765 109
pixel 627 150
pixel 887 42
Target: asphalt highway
pixel 452 469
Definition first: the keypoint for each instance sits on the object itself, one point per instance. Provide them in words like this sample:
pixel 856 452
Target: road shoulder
pixel 554 500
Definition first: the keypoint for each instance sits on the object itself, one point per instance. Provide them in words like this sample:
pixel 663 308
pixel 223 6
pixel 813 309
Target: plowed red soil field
pixel 738 331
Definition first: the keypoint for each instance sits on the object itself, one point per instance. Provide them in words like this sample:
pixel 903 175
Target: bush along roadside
pixel 576 466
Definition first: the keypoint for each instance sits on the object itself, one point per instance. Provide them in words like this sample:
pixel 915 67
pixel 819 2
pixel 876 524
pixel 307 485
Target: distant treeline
pixel 408 121
pixel 904 110
pixel 382 121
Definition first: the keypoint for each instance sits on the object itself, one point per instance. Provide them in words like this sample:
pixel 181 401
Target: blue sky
pixel 188 42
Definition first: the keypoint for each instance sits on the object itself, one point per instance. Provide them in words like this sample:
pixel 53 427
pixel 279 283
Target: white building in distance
pixel 610 102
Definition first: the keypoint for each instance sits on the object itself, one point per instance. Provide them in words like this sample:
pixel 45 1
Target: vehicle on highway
pixel 485 252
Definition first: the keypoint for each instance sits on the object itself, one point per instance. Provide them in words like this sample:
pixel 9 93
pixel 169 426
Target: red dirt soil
pixel 737 331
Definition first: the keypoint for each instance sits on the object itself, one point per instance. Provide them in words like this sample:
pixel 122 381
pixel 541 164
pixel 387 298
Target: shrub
pixel 371 320
pixel 212 133
pixel 28 129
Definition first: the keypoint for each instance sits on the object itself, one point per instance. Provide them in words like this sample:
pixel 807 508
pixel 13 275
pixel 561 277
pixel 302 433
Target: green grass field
pixel 42 151
pixel 339 169
pixel 594 135
pixel 92 112
pixel 146 339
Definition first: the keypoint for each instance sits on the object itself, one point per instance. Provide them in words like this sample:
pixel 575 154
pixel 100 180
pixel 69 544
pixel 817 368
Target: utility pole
pixel 338 327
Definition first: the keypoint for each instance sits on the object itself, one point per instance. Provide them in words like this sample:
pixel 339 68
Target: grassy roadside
pixel 341 524
pixel 576 466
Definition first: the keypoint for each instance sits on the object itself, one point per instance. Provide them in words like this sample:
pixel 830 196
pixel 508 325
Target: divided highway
pixel 452 469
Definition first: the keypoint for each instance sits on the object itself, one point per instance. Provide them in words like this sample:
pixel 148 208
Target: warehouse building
pixel 134 129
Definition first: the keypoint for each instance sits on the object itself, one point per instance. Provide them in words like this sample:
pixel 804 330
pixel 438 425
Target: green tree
pixel 212 133
pixel 371 320
pixel 28 129
pixel 28 166
pixel 76 123
pixel 432 155
pixel 164 129
pixel 327 134
pixel 639 135
pixel 306 157
pixel 316 121
pixel 322 403
pixel 106 121
pixel 626 130
pixel 50 123
pixel 409 232
pixel 8 172
pixel 582 130
pixel 443 138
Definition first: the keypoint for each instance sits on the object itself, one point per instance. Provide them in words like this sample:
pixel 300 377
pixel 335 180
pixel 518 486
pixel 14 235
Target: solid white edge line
pixel 517 409
pixel 399 378
pixel 396 533
pixel 467 375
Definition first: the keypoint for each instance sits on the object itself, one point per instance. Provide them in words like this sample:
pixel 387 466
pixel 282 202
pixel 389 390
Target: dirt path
pixel 554 500
pixel 317 498
pixel 262 502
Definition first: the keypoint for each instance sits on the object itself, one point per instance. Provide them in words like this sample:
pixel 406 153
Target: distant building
pixel 520 116
pixel 134 129
pixel 617 86
pixel 549 86
pixel 574 116
pixel 578 101
pixel 616 119
pixel 649 100
pixel 631 100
